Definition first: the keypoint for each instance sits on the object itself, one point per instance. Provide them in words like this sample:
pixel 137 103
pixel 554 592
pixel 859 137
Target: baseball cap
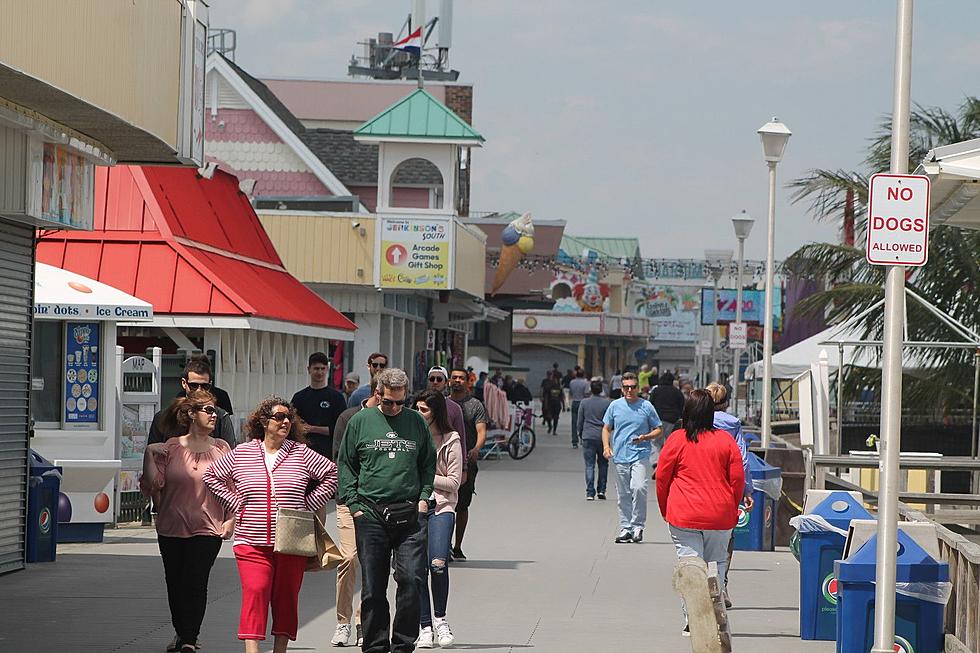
pixel 353 376
pixel 440 370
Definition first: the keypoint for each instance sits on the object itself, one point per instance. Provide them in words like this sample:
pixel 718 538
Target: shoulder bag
pixel 295 532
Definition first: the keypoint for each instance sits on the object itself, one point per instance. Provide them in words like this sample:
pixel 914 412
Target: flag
pixel 411 43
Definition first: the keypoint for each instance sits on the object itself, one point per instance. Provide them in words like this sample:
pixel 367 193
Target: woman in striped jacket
pixel 274 469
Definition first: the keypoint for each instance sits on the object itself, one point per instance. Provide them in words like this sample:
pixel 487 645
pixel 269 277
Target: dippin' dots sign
pixel 898 220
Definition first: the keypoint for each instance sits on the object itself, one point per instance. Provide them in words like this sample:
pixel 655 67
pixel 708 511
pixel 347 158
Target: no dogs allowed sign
pixel 898 220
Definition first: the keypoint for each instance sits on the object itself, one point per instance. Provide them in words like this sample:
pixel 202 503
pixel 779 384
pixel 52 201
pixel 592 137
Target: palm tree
pixel 950 280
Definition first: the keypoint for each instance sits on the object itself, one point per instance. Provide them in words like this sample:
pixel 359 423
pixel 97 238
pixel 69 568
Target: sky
pixel 639 117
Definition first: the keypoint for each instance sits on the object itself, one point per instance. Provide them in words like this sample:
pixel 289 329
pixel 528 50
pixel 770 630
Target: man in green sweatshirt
pixel 387 456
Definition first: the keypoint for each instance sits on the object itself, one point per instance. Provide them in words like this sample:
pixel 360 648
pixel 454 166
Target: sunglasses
pixel 437 379
pixel 379 366
pixel 628 387
pixel 198 386
pixel 392 402
pixel 279 417
pixel 210 410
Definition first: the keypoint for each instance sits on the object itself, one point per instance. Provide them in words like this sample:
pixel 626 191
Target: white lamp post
pixel 774 135
pixel 718 262
pixel 743 227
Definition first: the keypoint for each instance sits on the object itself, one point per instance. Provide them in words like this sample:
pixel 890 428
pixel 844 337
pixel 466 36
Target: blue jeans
pixel 440 533
pixel 632 482
pixel 592 453
pixel 575 433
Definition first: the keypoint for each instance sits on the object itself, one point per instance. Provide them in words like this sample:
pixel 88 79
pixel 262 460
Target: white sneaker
pixel 443 633
pixel 341 635
pixel 425 638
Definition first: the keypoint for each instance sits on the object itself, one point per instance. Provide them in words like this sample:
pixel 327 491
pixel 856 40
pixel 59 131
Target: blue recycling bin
pixel 756 530
pixel 44 486
pixel 819 549
pixel 918 622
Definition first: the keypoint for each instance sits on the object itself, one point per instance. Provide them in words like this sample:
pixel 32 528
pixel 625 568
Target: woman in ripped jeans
pixel 433 626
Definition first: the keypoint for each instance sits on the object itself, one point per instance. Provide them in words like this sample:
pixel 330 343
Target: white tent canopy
pixel 63 295
pixel 955 174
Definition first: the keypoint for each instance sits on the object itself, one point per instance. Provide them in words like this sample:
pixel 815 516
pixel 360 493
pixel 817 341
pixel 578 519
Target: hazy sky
pixel 638 117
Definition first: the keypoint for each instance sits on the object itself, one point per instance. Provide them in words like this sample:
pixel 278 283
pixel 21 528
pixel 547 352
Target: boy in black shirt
pixel 319 405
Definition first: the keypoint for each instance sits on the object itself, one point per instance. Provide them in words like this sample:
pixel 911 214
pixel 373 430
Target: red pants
pixel 268 578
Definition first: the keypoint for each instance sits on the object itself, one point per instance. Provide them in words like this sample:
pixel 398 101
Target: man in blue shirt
pixel 629 426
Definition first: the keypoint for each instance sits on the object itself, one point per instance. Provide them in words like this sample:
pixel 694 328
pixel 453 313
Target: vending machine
pixel 139 401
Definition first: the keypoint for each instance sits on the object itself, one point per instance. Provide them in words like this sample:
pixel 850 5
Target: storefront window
pixel 46 373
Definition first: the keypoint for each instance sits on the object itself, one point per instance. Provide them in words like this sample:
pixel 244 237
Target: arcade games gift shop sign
pixel 415 254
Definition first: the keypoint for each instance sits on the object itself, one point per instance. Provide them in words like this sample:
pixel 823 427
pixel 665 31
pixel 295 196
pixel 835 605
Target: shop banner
pixel 673 311
pixel 415 253
pixel 82 372
pixel 753 306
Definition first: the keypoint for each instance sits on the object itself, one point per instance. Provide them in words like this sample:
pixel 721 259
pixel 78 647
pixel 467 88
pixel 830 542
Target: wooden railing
pixel 963 608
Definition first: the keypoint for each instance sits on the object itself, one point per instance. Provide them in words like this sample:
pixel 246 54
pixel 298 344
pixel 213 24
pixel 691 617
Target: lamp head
pixel 774 135
pixel 743 225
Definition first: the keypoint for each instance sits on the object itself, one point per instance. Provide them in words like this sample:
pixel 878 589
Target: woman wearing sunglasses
pixel 190 521
pixel 273 470
pixel 442 518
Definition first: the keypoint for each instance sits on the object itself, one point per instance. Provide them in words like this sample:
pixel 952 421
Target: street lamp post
pixel 743 227
pixel 774 135
pixel 718 261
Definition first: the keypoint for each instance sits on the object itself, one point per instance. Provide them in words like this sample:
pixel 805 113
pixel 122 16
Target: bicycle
pixel 522 440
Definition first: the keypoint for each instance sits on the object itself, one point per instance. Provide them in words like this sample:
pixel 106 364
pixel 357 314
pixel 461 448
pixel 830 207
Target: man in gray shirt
pixel 589 424
pixel 578 388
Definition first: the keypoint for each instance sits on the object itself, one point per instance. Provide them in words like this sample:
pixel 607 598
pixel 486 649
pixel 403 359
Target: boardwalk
pixel 543 576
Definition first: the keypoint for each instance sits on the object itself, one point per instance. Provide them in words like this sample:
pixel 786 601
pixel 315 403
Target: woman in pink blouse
pixel 274 469
pixel 190 521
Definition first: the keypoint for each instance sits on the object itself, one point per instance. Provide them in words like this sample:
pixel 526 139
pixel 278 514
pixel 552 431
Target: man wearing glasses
pixel 438 380
pixel 475 434
pixel 376 363
pixel 386 460
pixel 197 376
pixel 629 427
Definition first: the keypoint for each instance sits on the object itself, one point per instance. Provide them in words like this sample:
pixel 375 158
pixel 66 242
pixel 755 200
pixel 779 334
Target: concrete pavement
pixel 543 575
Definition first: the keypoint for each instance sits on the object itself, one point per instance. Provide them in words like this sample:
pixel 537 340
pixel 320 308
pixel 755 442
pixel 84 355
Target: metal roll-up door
pixel 16 312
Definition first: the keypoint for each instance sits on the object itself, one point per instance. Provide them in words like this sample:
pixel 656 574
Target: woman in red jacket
pixel 699 485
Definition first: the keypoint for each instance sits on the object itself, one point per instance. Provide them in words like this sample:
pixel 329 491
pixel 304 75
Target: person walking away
pixel 478 386
pixel 274 469
pixel 475 425
pixel 629 425
pixel 319 406
pixel 616 385
pixel 376 363
pixel 578 389
pixel 700 485
pixel 387 465
pixel 433 625
pixel 590 414
pixel 347 569
pixel 732 425
pixel 553 402
pixel 644 377
pixel 519 393
pixel 190 521
pixel 351 382
pixel 669 402
pixel 196 376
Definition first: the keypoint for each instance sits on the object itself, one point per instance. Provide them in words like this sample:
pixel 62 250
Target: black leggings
pixel 187 563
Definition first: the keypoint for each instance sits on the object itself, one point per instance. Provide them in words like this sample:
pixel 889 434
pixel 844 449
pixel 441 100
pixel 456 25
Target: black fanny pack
pixel 396 516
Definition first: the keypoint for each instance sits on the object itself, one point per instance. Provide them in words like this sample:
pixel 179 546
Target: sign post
pixel 891 367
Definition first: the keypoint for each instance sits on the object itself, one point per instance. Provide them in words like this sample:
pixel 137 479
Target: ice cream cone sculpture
pixel 518 240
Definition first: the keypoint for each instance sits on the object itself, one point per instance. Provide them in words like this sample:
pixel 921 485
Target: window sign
pixel 67 188
pixel 82 372
pixel 753 306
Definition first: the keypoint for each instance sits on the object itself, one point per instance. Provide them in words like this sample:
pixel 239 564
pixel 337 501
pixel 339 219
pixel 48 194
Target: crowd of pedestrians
pixel 402 470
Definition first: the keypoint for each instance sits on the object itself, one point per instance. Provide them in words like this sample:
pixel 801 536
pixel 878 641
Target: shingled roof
pixel 268 97
pixel 356 163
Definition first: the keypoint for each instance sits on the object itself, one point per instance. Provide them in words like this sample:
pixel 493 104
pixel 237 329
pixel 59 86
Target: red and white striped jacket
pixel 302 478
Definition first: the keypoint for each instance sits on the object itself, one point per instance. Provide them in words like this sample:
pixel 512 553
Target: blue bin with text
pixel 822 533
pixel 922 589
pixel 44 486
pixel 756 530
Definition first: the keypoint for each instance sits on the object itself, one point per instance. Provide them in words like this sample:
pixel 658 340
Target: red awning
pixel 191 246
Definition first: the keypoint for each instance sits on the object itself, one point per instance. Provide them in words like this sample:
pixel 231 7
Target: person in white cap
pixel 438 380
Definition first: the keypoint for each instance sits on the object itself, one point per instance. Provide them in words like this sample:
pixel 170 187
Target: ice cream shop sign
pixel 415 253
